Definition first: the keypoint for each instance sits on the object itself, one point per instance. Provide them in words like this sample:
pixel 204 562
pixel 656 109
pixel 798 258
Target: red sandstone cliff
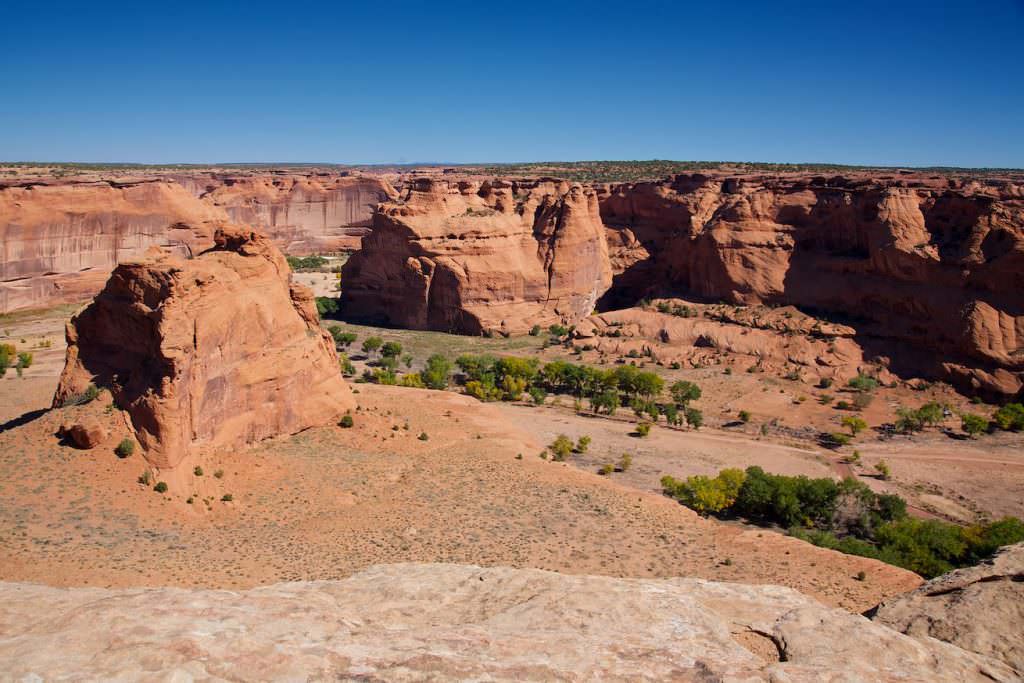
pixel 928 270
pixel 215 351
pixel 470 257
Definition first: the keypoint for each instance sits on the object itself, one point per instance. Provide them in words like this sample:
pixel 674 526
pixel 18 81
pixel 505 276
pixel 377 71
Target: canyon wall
pixel 929 271
pixel 62 239
pixel 475 258
pixel 216 351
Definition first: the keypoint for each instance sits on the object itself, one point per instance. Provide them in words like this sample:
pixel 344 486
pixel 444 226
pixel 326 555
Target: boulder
pixel 85 435
pixel 979 608
pixel 216 351
pixel 450 622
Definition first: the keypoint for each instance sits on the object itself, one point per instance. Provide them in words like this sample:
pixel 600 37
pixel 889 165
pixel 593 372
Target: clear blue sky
pixel 896 83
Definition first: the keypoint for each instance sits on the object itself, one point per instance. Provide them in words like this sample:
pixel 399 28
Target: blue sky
pixel 889 83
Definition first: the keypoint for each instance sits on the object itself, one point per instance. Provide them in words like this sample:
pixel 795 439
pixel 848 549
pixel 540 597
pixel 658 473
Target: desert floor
pixel 327 502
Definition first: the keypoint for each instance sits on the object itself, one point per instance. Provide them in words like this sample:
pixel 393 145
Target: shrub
pixel 125 448
pixel 482 391
pixel 341 338
pixel 198 471
pixel 908 420
pixel 538 395
pixel 744 416
pixel 606 469
pixel 854 424
pixel 561 447
pixel 407 360
pixel 413 380
pixel 90 394
pixel 227 498
pixel 582 444
pixel 346 421
pixel 863 382
pixel 423 436
pixel 825 383
pixel 625 462
pixel 372 344
pixel 683 392
pixel 437 372
pixel 219 474
pixel 391 349
pixel 146 478
pixel 1010 417
pixel 825 399
pixel 973 424
pixel 694 417
pixel 25 360
pixel 558 330
pixel 535 331
pixel 326 306
pixel 643 429
pixel 705 494
pixel 306 262
pixel 345 365
pixel 834 440
pixel 862 400
pixel 882 467
pixel 161 487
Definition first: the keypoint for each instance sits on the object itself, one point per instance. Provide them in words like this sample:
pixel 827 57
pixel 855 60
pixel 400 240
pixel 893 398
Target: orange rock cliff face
pixel 217 351
pixel 928 271
pixel 480 257
pixel 62 239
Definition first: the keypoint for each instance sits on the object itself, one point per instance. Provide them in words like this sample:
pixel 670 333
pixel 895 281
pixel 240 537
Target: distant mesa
pixel 211 352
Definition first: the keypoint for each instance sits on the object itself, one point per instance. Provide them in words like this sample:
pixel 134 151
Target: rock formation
pixel 928 270
pixel 60 241
pixel 452 622
pixel 303 214
pixel 480 257
pixel 979 608
pixel 216 351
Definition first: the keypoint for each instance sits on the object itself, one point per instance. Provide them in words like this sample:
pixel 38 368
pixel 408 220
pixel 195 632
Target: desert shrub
pixel 345 365
pixel 824 382
pixel 306 262
pixel 825 399
pixel 535 331
pixel 854 424
pixel 385 376
pixel 625 462
pixel 538 394
pixel 197 470
pixel 908 420
pixel 882 467
pixel 561 447
pixel 833 440
pixel 671 414
pixel 606 469
pixel 423 436
pixel 744 416
pixel 219 474
pixel 346 421
pixel 694 418
pixel 407 360
pixel 558 330
pixel 227 498
pixel 326 306
pixel 146 478
pixel 161 487
pixel 340 336
pixel 862 400
pixel 372 344
pixel 582 444
pixel 25 360
pixel 973 424
pixel 437 372
pixel 412 380
pixel 683 392
pixel 863 382
pixel 391 349
pixel 483 391
pixel 91 393
pixel 1010 417
pixel 125 448
pixel 643 429
pixel 706 494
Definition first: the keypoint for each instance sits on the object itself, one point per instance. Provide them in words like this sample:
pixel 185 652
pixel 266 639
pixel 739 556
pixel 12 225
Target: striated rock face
pixel 469 257
pixel 451 622
pixel 60 242
pixel 303 214
pixel 980 609
pixel 215 351
pixel 928 270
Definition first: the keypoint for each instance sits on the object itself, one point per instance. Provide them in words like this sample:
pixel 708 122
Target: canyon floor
pixel 429 476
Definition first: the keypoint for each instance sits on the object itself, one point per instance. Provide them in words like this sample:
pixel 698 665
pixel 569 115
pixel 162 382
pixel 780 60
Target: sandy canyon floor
pixel 330 501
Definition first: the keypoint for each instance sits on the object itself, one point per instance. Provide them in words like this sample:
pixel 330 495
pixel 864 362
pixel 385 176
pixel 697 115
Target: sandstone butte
pixel 412 622
pixel 471 257
pixel 927 270
pixel 61 239
pixel 211 352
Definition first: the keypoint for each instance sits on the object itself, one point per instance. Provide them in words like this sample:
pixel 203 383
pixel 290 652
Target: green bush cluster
pixel 306 262
pixel 1010 417
pixel 910 420
pixel 326 306
pixel 677 310
pixel 341 337
pixel 846 516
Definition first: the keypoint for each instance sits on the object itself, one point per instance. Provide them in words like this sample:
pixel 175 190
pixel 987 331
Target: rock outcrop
pixel 303 214
pixel 215 351
pixel 452 622
pixel 928 270
pixel 60 241
pixel 473 257
pixel 980 609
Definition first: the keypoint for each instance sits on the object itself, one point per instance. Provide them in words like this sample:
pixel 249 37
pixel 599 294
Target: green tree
pixel 391 349
pixel 1010 417
pixel 694 417
pixel 683 392
pixel 437 372
pixel 372 344
pixel 973 424
pixel 854 424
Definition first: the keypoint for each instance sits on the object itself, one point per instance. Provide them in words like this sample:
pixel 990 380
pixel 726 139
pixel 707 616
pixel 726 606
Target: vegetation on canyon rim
pixel 846 516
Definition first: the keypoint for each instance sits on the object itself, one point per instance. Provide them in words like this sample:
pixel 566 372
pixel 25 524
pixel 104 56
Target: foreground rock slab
pixel 211 352
pixel 446 622
pixel 977 608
